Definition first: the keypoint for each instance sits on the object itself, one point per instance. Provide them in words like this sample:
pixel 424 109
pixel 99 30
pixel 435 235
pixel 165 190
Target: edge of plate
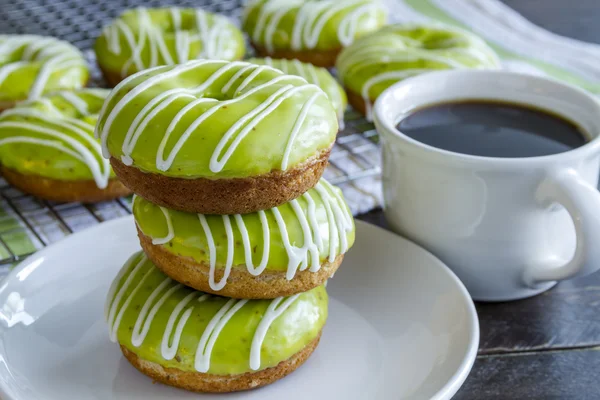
pixel 50 248
pixel 460 376
pixel 6 393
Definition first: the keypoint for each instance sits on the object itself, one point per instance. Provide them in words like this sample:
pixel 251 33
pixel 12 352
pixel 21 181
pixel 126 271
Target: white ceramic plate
pixel 401 325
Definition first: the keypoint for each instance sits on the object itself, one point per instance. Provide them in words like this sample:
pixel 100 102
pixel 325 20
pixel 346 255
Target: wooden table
pixel 546 347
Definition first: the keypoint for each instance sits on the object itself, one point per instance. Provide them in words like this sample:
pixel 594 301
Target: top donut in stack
pixel 217 137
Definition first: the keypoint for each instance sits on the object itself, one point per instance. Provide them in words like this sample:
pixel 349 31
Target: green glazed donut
pixel 47 147
pixel 202 342
pixel 31 66
pixel 375 62
pixel 315 75
pixel 285 250
pixel 312 31
pixel 216 131
pixel 143 38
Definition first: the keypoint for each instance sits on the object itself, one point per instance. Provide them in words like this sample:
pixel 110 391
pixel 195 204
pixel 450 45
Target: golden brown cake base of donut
pixel 223 196
pixel 320 58
pixel 357 101
pixel 112 78
pixel 5 105
pixel 84 191
pixel 210 383
pixel 240 283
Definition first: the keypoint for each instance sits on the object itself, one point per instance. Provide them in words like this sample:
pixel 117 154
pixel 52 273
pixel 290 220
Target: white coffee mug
pixel 508 227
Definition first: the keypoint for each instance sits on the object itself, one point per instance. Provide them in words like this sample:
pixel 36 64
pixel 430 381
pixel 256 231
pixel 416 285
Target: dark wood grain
pixel 567 316
pixel 564 375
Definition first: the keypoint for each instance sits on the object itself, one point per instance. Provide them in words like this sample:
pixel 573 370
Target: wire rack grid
pixel 27 223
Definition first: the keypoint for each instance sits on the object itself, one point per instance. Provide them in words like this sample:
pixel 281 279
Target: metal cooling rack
pixel 28 224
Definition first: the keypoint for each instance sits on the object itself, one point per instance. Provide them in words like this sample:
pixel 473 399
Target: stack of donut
pixel 239 231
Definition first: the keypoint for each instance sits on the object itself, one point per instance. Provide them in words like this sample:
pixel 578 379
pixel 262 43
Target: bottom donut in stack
pixel 168 311
pixel 206 343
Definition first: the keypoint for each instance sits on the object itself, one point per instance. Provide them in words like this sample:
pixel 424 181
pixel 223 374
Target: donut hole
pixel 11 58
pixel 187 23
pixel 21 53
pixel 216 95
pixel 17 55
pixel 431 39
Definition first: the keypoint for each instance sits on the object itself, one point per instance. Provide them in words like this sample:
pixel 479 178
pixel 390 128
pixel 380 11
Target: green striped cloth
pixel 521 45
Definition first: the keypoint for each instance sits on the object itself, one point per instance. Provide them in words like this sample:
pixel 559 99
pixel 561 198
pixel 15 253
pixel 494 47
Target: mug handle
pixel 582 202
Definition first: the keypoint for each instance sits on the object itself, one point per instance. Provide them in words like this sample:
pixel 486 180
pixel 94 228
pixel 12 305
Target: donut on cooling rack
pixel 315 75
pixel 47 148
pixel 217 137
pixel 205 343
pixel 31 66
pixel 288 249
pixel 310 31
pixel 375 62
pixel 143 38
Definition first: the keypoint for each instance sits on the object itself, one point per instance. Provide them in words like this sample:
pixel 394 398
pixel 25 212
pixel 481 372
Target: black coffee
pixel 492 129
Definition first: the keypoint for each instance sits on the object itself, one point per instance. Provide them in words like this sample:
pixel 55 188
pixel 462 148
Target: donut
pixel 286 250
pixel 47 148
pixel 315 75
pixel 217 137
pixel 310 31
pixel 205 343
pixel 142 38
pixel 375 62
pixel 31 66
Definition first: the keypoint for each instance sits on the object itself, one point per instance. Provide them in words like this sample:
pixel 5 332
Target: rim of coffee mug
pixel 399 92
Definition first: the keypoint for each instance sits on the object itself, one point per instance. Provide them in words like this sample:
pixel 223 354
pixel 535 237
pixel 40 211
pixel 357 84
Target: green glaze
pixel 412 49
pixel 288 334
pixel 316 75
pixel 189 238
pixel 310 25
pixel 52 118
pixel 166 36
pixel 504 49
pixel 260 109
pixel 33 65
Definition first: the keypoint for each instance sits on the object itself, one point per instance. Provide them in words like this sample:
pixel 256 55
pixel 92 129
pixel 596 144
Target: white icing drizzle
pixel 170 232
pixel 52 55
pixel 142 324
pixel 339 224
pixel 169 350
pixel 274 310
pixel 212 331
pixel 297 125
pixel 212 32
pixel 248 247
pixel 375 50
pixel 115 313
pixel 81 145
pixel 178 318
pixel 310 73
pixel 110 298
pixel 232 138
pixel 75 101
pixel 311 18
